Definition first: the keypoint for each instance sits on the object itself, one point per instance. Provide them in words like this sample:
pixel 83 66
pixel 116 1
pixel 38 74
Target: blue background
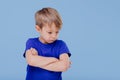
pixel 91 29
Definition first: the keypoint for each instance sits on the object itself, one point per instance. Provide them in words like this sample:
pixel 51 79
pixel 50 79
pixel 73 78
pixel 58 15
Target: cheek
pixel 46 36
pixel 57 36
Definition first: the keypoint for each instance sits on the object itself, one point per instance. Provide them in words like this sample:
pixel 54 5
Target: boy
pixel 46 56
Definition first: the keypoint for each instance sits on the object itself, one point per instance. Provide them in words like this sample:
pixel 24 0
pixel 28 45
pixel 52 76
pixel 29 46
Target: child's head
pixel 48 16
pixel 48 24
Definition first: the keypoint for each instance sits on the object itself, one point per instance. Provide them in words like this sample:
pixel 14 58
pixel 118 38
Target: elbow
pixel 30 62
pixel 65 68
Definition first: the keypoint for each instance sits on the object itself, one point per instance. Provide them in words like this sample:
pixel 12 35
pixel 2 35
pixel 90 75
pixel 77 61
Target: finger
pixel 28 52
pixel 35 50
pixel 70 62
pixel 31 48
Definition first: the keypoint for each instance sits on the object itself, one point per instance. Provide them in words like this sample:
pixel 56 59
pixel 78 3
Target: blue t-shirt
pixel 54 49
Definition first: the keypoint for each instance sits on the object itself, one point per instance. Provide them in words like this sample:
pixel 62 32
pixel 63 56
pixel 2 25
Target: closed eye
pixel 57 32
pixel 49 32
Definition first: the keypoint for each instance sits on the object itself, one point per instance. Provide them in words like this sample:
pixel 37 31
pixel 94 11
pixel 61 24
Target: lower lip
pixel 51 40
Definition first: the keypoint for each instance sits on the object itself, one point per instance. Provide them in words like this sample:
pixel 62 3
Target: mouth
pixel 52 40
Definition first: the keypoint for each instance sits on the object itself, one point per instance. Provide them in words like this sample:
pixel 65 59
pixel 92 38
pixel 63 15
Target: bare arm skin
pixel 33 59
pixel 59 66
pixel 48 63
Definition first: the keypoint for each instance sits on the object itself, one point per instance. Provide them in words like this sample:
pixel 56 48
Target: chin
pixel 50 41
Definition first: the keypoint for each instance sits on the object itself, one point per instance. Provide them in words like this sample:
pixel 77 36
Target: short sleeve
pixel 64 49
pixel 29 44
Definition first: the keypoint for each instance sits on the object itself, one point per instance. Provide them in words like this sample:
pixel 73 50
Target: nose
pixel 54 36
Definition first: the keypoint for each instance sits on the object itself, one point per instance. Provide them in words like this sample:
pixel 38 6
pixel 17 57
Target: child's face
pixel 48 34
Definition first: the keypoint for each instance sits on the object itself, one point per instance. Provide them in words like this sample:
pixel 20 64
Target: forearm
pixel 58 66
pixel 40 61
pixel 48 63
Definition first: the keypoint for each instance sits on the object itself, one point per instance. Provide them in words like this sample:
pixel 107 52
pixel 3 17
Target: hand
pixel 33 51
pixel 70 64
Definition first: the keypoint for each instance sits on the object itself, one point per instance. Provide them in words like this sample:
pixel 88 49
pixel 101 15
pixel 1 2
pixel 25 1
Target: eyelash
pixel 51 32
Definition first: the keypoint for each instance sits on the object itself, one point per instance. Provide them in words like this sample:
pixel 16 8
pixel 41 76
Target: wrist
pixel 55 59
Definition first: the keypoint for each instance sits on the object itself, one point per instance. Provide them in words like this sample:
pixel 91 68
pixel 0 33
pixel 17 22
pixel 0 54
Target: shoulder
pixel 31 40
pixel 60 42
pixel 63 48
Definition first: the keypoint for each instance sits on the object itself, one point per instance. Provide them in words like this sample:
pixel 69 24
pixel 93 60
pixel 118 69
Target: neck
pixel 42 40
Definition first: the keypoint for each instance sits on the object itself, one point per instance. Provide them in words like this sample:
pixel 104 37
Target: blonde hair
pixel 48 16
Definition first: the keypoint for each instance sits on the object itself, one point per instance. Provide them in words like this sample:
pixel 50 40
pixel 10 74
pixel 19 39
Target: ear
pixel 37 28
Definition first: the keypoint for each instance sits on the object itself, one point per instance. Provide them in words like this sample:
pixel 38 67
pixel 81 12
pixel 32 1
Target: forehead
pixel 51 27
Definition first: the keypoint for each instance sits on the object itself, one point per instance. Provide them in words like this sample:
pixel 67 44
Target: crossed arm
pixel 48 63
